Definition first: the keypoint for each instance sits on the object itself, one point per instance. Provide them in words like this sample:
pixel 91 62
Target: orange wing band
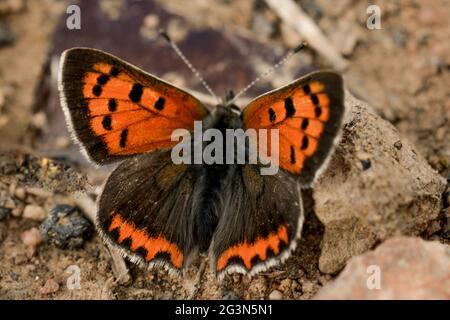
pixel 140 239
pixel 247 251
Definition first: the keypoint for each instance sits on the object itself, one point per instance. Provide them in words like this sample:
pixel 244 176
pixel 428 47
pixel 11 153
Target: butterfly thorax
pixel 224 117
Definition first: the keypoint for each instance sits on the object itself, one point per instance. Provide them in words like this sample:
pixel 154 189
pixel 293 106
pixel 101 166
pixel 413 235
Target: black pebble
pixel 66 227
pixel 366 164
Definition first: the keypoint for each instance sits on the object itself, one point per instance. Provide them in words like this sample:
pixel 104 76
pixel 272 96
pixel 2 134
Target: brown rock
pixel 275 295
pixel 409 268
pixel 34 212
pixel 17 212
pixel 20 193
pixel 371 189
pixel 50 286
pixel 31 237
pixel 285 285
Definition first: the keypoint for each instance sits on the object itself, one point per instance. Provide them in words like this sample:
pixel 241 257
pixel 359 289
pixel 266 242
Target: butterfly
pixel 163 214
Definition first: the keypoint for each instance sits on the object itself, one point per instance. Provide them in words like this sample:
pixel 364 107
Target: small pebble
pixel 39 192
pixel 34 212
pixel 61 143
pixel 275 295
pixel 285 285
pixel 20 193
pixel 39 120
pixel 17 212
pixel 31 237
pixel 433 228
pixel 50 286
pixel 66 227
pixel 366 164
pixel 398 145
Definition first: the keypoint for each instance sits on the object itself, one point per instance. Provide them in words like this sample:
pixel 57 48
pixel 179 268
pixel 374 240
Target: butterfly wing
pixel 262 216
pixel 308 114
pixel 148 207
pixel 116 110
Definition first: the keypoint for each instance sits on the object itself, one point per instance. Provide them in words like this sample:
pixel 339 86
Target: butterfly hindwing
pixel 117 110
pixel 261 219
pixel 147 208
pixel 308 113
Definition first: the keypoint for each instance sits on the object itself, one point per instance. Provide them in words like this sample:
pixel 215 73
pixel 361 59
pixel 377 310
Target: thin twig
pixel 119 267
pixel 294 16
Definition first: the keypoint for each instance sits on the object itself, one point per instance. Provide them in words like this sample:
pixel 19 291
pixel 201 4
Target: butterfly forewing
pixel 308 114
pixel 118 110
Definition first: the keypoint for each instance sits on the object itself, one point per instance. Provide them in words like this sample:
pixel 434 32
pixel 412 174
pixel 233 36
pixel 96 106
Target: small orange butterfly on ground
pixel 160 213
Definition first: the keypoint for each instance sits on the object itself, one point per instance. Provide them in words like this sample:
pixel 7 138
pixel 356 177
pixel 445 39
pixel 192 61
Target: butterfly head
pixel 228 103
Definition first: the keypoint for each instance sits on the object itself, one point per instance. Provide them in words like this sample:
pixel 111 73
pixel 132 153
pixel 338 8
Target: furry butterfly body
pixel 161 213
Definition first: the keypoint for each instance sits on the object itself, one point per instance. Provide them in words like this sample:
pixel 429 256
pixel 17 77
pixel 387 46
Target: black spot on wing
pixel 314 99
pixel 142 252
pixel 306 89
pixel 289 106
pixel 97 90
pixel 305 143
pixel 159 104
pixel 106 122
pixel 123 138
pixel 114 71
pixel 305 124
pixel 112 105
pixel 292 155
pixel 317 111
pixel 136 92
pixel 272 115
pixel 102 79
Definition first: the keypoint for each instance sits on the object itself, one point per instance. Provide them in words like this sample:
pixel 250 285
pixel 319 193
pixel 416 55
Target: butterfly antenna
pixel 188 63
pixel 270 71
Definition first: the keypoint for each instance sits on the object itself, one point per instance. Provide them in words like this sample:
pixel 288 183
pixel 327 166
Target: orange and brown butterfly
pixel 160 213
